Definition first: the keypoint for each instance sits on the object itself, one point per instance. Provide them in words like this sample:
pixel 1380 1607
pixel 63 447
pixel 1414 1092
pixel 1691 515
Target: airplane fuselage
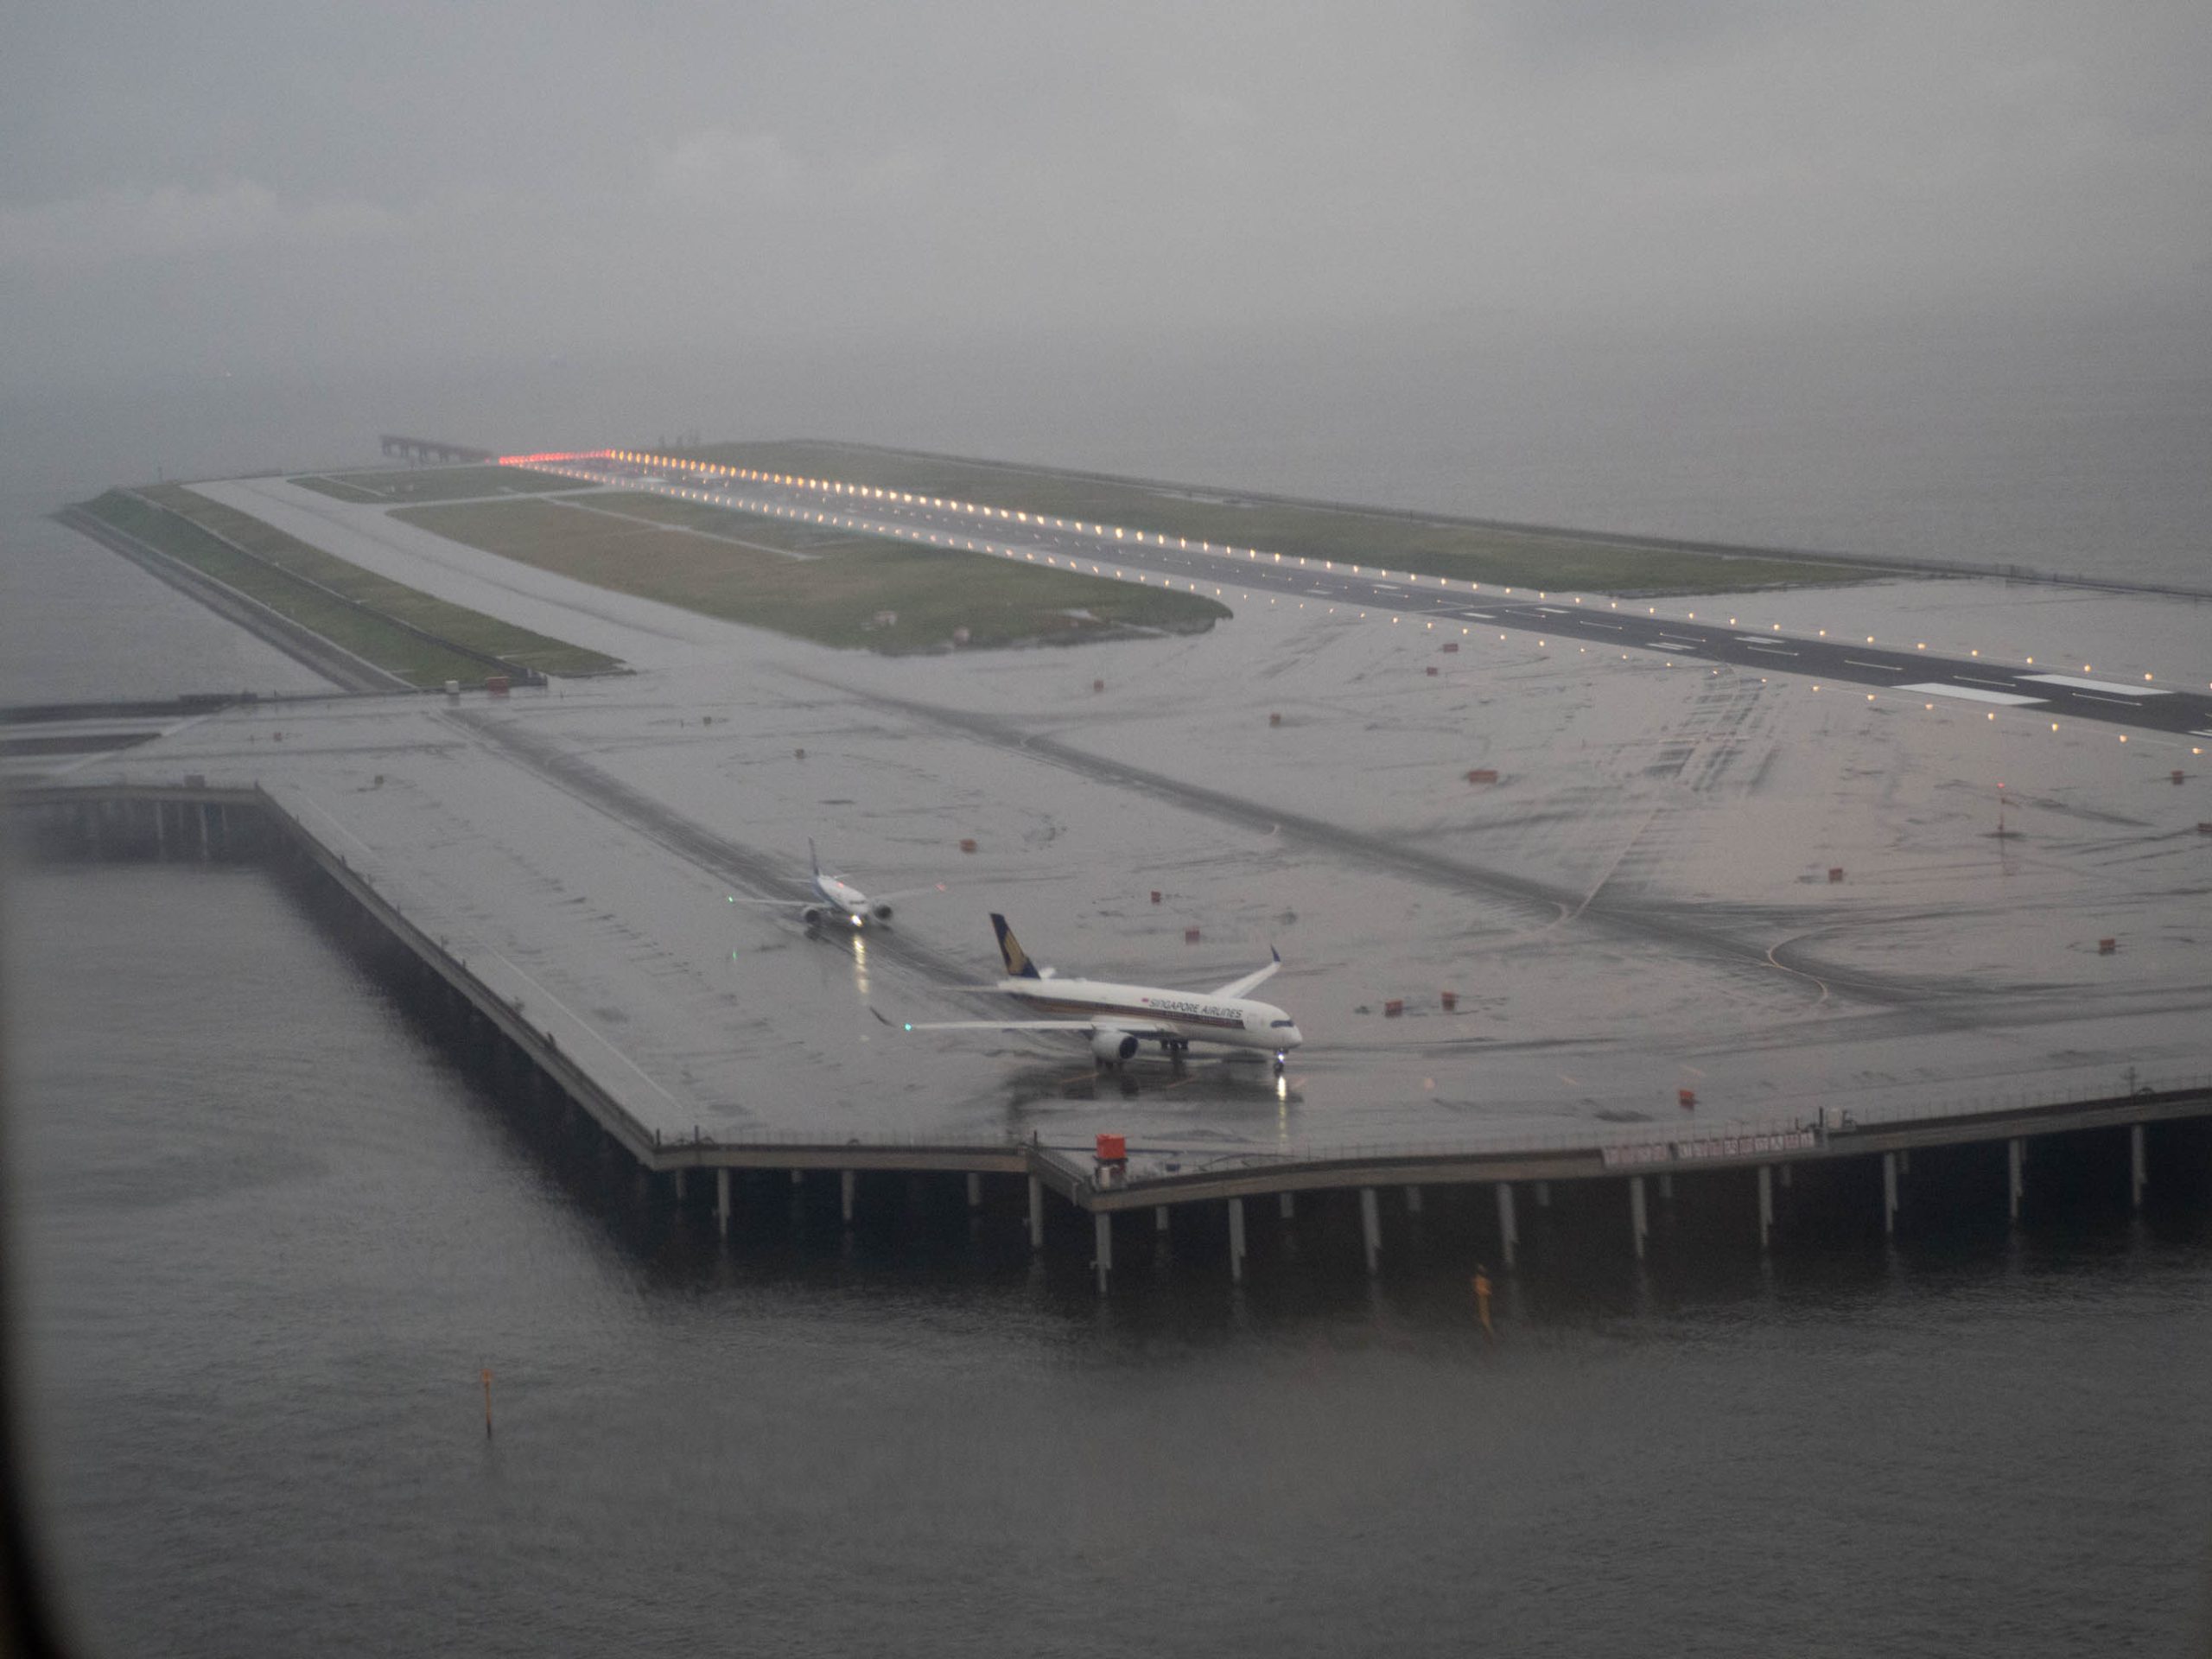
pixel 1190 1016
pixel 846 900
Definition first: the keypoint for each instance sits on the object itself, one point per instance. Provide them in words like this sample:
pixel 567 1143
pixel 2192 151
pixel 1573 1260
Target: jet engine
pixel 811 915
pixel 1112 1045
pixel 882 913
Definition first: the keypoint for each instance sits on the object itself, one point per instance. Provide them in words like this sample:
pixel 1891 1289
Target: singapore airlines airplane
pixel 1117 1018
pixel 834 896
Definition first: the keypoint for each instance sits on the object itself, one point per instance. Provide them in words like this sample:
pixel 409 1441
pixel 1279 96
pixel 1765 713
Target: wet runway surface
pixel 1642 901
pixel 1906 669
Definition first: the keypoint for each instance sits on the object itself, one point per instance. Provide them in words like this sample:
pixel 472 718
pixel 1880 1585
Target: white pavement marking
pixel 2098 685
pixel 1887 668
pixel 1972 694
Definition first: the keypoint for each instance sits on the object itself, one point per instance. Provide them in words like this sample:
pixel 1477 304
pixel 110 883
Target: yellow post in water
pixel 1482 1300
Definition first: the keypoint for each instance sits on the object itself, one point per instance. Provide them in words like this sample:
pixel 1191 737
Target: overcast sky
pixel 252 186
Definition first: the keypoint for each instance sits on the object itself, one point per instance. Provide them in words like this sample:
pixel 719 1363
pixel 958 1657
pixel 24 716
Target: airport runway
pixel 1903 668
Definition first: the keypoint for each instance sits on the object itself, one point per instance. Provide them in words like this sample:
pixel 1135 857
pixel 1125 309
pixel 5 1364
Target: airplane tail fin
pixel 1017 965
pixel 812 857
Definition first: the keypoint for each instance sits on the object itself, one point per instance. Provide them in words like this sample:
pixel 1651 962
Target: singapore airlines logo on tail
pixel 1017 965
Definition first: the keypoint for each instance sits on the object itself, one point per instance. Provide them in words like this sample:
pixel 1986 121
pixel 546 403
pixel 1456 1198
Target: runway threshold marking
pixel 1887 668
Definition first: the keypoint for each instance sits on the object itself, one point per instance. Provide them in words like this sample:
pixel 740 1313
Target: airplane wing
pixel 1252 981
pixel 739 898
pixel 995 1025
pixel 1150 1033
pixel 907 892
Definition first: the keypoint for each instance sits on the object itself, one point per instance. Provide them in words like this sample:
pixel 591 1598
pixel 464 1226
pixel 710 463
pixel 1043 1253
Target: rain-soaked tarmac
pixel 1642 902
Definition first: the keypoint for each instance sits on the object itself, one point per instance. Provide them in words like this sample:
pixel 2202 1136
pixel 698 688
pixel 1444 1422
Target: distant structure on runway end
pixel 426 449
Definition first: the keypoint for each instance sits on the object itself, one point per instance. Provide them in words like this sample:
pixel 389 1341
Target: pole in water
pixel 488 1405
pixel 1482 1299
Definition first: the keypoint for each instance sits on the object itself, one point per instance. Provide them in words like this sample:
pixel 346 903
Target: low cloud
pixel 136 224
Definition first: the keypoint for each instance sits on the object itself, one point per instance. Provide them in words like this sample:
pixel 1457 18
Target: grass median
pixel 1501 555
pixel 417 486
pixel 276 568
pixel 837 587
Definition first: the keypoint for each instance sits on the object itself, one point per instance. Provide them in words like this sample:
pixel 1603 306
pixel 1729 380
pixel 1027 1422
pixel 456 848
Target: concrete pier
pixel 1101 1234
pixel 541 1059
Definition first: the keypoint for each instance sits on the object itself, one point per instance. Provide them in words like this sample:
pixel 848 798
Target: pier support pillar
pixel 1506 1230
pixel 1543 1195
pixel 721 1201
pixel 1904 1160
pixel 846 1181
pixel 2015 1155
pixel 1766 1204
pixel 2138 1165
pixel 1102 1232
pixel 200 815
pixel 679 1186
pixel 1159 1218
pixel 798 1178
pixel 1665 1186
pixel 1786 1171
pixel 1036 1214
pixel 1371 1229
pixel 1288 1205
pixel 1890 1193
pixel 975 1191
pixel 1236 1241
pixel 1412 1200
pixel 1639 1216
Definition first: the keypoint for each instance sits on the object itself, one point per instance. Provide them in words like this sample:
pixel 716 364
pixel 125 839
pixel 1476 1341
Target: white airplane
pixel 834 896
pixel 1117 1018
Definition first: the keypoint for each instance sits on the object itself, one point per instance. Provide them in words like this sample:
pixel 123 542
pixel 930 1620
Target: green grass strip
pixel 179 523
pixel 1564 561
pixel 409 486
pixel 834 587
